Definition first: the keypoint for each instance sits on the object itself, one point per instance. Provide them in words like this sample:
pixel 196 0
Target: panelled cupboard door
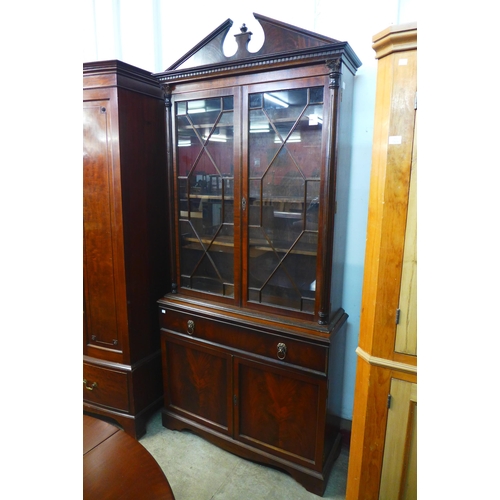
pixel 406 330
pixel 267 407
pixel 198 382
pixel 399 465
pixel 280 411
pixel 102 311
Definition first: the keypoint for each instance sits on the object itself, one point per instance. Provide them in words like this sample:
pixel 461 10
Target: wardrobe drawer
pixel 105 387
pixel 276 346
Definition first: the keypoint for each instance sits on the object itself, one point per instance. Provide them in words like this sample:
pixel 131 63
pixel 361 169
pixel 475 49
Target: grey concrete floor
pixel 198 470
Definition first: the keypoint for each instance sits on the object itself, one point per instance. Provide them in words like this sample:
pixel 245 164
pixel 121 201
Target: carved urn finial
pixel 242 40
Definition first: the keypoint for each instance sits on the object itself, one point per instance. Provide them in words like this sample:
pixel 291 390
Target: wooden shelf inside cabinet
pixel 214 197
pixel 255 249
pixel 220 244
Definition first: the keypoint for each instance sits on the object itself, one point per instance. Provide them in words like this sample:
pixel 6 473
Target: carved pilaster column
pixel 167 96
pixel 335 66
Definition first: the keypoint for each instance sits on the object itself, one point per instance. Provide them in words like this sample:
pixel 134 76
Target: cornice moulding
pixel 396 38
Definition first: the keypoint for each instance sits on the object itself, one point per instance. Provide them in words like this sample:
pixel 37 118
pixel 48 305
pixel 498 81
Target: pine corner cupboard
pixel 383 451
pixel 258 153
pixel 125 242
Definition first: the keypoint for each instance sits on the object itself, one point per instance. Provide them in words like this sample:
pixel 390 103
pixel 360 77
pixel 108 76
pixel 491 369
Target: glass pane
pixel 228 184
pixel 262 259
pixel 316 95
pixel 220 250
pixel 255 190
pixel 302 260
pixel 281 290
pixel 284 108
pixel 181 108
pixel 255 101
pixel 304 144
pixel 188 145
pixel 206 278
pixel 204 156
pixel 284 182
pixel 191 247
pixel 261 143
pixel 228 102
pixel 220 146
pixel 312 203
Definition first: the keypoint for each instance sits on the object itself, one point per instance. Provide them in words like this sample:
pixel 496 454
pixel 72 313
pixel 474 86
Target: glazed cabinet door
pixel 197 382
pixel 206 165
pixel 280 411
pixel 253 193
pixel 284 175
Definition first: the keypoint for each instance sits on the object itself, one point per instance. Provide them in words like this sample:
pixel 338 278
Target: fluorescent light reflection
pixel 276 100
pixel 259 127
pixel 215 138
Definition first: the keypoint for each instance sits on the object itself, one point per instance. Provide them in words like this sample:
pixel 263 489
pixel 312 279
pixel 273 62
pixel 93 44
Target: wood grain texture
pixel 95 431
pixel 388 202
pixel 99 227
pixel 400 443
pixel 249 401
pixel 406 330
pixel 284 45
pixel 116 466
pixel 125 235
pixel 197 382
pixel 224 376
pixel 270 411
pixel 391 210
pixel 368 431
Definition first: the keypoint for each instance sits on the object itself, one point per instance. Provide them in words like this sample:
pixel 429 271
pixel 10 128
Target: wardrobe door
pixel 99 229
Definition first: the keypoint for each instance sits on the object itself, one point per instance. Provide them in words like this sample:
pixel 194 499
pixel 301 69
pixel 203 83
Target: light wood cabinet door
pixel 399 465
pixel 406 330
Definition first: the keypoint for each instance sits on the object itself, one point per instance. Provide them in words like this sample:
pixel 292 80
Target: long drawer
pixel 105 387
pixel 275 346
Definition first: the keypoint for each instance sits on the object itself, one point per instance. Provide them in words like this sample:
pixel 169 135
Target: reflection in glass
pixel 284 165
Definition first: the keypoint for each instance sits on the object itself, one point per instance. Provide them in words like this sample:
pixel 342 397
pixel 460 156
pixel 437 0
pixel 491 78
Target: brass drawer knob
pixel 89 387
pixel 190 327
pixel 281 351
